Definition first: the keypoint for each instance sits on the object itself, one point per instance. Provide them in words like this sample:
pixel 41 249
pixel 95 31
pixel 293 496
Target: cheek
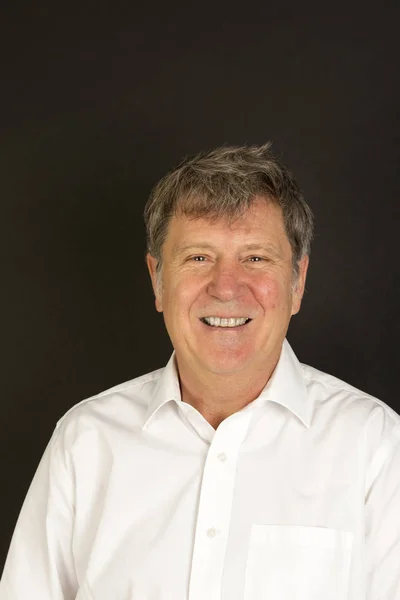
pixel 269 294
pixel 181 295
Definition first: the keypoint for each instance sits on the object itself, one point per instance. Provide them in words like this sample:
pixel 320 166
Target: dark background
pixel 98 102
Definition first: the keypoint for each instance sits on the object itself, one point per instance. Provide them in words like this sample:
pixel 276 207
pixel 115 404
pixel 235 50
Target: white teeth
pixel 232 322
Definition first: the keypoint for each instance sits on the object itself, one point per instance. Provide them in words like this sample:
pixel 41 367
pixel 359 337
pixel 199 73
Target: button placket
pixel 212 532
pixel 214 512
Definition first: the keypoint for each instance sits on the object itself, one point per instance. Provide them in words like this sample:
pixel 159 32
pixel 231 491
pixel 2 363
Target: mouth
pixel 229 322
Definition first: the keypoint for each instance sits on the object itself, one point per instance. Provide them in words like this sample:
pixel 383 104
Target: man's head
pixel 228 237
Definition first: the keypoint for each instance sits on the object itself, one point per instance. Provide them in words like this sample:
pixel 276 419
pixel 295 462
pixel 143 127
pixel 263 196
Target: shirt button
pixel 222 456
pixel 212 532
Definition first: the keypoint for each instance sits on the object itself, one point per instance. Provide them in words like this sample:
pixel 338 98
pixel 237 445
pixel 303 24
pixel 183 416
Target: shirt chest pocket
pixel 294 562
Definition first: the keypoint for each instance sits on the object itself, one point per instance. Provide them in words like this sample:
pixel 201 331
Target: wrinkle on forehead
pixel 200 207
pixel 253 231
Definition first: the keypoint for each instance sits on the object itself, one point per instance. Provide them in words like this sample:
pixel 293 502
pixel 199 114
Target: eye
pixel 198 258
pixel 256 259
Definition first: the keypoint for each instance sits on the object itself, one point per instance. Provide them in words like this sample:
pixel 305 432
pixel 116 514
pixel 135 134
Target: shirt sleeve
pixel 40 561
pixel 382 514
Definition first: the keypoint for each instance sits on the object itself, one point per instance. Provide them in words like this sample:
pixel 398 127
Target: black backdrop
pixel 98 102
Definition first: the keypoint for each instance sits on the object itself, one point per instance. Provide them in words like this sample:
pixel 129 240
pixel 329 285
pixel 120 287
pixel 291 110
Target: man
pixel 235 472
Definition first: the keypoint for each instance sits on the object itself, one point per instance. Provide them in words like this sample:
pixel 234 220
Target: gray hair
pixel 223 183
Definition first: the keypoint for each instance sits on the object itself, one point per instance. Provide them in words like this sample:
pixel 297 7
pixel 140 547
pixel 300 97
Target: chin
pixel 225 364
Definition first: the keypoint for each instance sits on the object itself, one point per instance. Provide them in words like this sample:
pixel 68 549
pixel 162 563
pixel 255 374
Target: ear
pixel 155 280
pixel 300 285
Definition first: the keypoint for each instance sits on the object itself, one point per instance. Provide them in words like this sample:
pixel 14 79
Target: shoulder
pixel 327 387
pixel 351 407
pixel 122 406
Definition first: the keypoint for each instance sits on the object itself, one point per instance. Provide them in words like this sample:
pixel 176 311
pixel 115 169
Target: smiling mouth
pixel 228 322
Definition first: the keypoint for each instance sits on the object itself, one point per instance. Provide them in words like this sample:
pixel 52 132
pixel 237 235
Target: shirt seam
pixel 348 388
pixel 388 445
pixel 115 389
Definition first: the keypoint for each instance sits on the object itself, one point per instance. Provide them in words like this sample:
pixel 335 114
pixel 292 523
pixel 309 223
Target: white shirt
pixel 137 497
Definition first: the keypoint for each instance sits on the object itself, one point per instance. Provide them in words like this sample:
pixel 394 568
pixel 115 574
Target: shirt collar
pixel 286 386
pixel 167 389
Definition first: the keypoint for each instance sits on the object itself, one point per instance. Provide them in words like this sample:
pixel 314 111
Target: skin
pixel 242 269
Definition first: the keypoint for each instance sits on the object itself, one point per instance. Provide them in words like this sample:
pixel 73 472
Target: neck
pixel 217 396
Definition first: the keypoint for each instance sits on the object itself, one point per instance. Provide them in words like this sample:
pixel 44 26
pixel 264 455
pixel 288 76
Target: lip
pixel 231 329
pixel 242 315
pixel 225 317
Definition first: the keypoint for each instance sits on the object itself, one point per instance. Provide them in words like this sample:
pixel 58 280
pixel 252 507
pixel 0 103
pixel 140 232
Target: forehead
pixel 261 222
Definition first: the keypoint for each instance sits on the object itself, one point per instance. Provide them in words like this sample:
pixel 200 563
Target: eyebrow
pixel 267 247
pixel 180 249
pixel 184 247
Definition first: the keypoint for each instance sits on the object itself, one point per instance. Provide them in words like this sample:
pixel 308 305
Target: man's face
pixel 214 270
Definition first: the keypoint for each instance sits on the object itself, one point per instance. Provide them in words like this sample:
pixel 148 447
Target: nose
pixel 226 282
